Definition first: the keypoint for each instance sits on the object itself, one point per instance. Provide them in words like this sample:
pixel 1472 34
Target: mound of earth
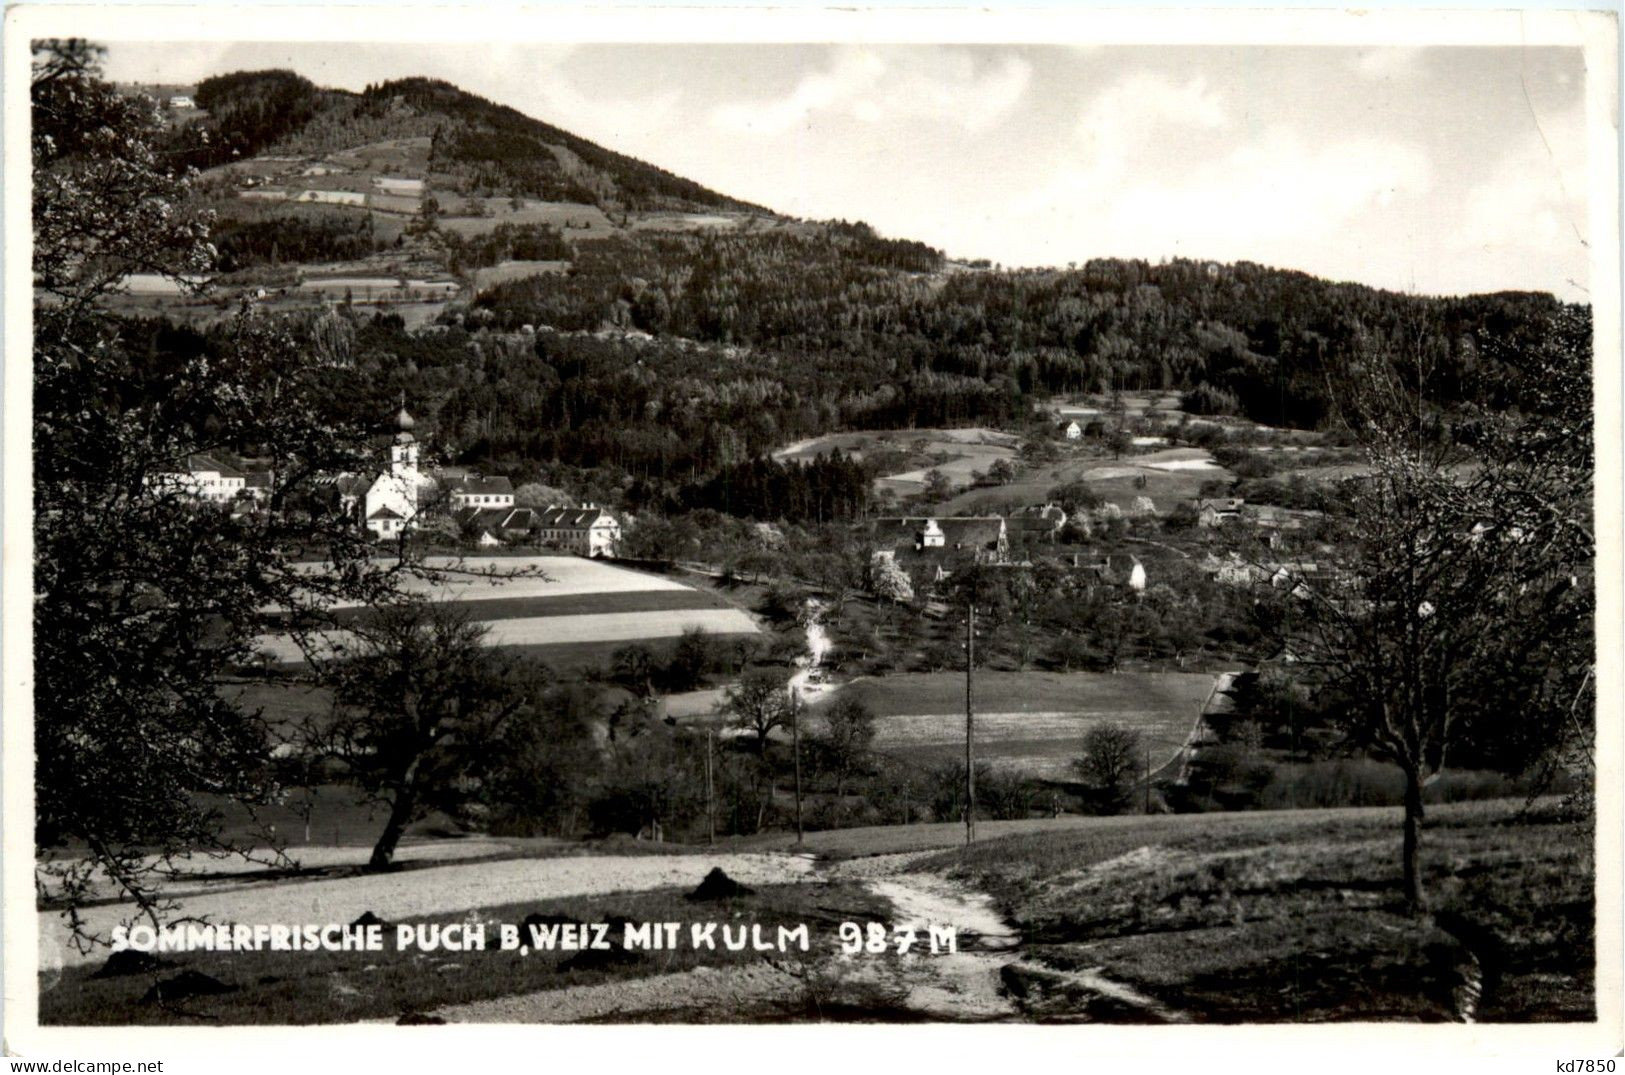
pixel 129 961
pixel 719 886
pixel 186 984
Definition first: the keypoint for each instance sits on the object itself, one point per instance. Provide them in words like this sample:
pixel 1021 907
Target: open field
pixel 857 441
pixel 537 602
pixel 717 221
pixel 550 630
pixel 504 271
pixel 491 609
pixel 474 578
pixel 1168 477
pixel 574 219
pixel 1033 722
pixel 962 451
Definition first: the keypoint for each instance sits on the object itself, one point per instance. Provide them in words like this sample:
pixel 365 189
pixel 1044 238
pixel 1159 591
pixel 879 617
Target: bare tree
pixel 1462 586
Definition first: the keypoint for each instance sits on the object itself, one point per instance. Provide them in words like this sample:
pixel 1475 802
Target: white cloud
pixel 881 85
pixel 1279 187
pixel 1162 167
pixel 1536 192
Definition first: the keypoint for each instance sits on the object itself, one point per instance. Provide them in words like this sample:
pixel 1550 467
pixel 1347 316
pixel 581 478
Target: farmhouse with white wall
pixel 587 530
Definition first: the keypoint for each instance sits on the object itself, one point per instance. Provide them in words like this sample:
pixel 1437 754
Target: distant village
pixel 400 495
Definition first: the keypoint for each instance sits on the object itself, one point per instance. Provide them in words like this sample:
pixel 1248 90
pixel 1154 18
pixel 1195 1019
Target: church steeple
pixel 403 454
pixel 405 423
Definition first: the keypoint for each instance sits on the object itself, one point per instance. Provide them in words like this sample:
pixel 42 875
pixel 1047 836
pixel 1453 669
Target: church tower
pixel 403 456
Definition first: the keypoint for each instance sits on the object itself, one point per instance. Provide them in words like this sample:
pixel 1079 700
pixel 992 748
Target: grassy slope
pixel 1296 915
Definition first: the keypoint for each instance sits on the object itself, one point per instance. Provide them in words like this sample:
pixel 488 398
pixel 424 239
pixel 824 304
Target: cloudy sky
pixel 1439 170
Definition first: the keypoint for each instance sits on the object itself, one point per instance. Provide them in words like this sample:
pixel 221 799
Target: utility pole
pixel 970 726
pixel 795 748
pixel 710 789
pixel 1148 778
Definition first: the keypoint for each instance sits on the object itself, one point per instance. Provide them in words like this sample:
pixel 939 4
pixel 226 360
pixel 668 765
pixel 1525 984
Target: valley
pixel 444 520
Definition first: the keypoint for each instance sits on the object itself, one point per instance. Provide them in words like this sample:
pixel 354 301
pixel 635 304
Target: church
pixel 387 501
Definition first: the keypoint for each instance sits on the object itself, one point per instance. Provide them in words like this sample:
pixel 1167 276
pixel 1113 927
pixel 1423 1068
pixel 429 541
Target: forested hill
pixel 666 354
pixel 1241 339
pixel 480 144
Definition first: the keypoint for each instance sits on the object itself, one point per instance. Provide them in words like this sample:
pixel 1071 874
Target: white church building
pixel 387 501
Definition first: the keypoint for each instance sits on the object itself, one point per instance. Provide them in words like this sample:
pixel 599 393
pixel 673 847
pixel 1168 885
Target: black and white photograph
pixel 948 521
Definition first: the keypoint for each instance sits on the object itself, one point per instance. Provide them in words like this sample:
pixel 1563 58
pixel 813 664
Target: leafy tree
pixel 889 582
pixel 537 495
pixel 418 703
pixel 758 703
pixel 1110 766
pixel 542 763
pixel 1074 496
pixel 692 657
pixel 144 597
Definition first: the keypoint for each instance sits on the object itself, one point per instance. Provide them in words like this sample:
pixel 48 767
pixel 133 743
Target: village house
pixel 1119 569
pixel 985 539
pixel 1212 513
pixel 1276 523
pixel 489 527
pixel 472 491
pixel 1037 523
pixel 930 549
pixel 586 530
pixel 1071 430
pixel 257 487
pixel 1234 571
pixel 206 477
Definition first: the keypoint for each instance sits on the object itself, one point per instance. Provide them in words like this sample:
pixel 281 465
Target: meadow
pixel 1031 722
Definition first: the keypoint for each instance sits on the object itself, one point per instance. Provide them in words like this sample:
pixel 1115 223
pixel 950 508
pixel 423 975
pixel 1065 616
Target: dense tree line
pixel 292 239
pixel 1240 338
pixel 827 488
pixel 248 112
pixel 505 242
